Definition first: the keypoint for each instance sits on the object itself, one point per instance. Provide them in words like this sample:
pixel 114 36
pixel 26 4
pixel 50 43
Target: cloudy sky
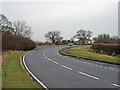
pixel 67 16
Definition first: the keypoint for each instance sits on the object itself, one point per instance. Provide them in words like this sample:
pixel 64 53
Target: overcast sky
pixel 99 16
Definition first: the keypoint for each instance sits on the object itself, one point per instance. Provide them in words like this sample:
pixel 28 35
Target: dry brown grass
pixel 114 44
pixel 48 46
pixel 5 54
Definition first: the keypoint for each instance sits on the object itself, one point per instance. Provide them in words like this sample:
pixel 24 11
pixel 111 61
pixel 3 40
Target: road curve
pixel 58 71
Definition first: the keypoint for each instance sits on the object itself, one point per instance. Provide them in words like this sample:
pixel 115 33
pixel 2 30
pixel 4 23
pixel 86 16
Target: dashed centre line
pixel 85 74
pixel 110 68
pixel 88 75
pixel 96 65
pixel 100 66
pixel 116 85
pixel 105 67
pixel 55 62
pixel 66 67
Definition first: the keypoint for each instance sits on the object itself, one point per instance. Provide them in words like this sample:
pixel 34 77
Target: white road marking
pixel 96 65
pixel 66 67
pixel 55 62
pixel 44 55
pixel 116 85
pixel 111 69
pixel 88 75
pixel 49 59
pixel 33 74
pixel 105 67
pixel 92 64
pixel 59 54
pixel 100 66
pixel 118 70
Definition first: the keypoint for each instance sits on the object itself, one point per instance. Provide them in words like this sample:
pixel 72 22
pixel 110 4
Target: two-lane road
pixel 58 71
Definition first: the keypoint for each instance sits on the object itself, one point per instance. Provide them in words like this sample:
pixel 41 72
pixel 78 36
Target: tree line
pixel 15 35
pixel 55 38
pixel 22 29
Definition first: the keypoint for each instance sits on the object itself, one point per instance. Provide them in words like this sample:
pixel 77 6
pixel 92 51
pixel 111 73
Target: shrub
pixel 13 42
pixel 110 49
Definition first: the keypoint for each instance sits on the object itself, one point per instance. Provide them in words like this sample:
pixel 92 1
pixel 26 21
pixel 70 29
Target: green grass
pixel 85 52
pixel 13 75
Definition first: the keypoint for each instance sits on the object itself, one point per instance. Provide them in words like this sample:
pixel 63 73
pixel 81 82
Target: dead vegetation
pixel 5 54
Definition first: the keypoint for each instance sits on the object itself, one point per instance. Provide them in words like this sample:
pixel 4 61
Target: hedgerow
pixel 13 42
pixel 109 49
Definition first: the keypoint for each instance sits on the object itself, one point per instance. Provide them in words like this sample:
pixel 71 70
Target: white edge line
pixel 88 75
pixel 32 74
pixel 59 54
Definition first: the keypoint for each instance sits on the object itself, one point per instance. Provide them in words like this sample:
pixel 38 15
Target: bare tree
pixel 53 36
pixel 58 39
pixel 5 24
pixel 103 38
pixel 72 39
pixel 21 28
pixel 83 34
pixel 114 38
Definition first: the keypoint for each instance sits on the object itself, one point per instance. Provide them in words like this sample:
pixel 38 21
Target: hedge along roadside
pixel 109 49
pixel 13 42
pixel 88 58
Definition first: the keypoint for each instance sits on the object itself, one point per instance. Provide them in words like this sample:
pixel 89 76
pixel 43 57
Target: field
pixel 85 52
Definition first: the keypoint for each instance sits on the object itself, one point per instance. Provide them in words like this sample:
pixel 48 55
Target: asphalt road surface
pixel 58 71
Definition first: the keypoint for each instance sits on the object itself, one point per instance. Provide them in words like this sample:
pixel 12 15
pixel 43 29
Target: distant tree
pixel 103 38
pixel 114 38
pixel 53 36
pixel 58 39
pixel 5 24
pixel 83 34
pixel 64 42
pixel 72 39
pixel 21 28
pixel 68 41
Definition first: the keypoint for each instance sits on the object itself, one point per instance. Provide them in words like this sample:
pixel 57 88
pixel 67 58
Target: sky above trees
pixel 98 16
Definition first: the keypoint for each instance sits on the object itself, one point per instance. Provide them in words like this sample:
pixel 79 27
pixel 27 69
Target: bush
pixel 109 49
pixel 13 42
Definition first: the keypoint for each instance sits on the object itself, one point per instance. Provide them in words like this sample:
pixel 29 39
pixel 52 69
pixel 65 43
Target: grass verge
pixel 86 53
pixel 13 75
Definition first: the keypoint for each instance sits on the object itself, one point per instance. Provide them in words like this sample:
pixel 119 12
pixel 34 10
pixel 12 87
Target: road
pixel 58 71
